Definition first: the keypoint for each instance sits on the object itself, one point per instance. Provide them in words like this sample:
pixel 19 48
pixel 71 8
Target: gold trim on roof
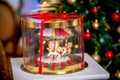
pixel 52 23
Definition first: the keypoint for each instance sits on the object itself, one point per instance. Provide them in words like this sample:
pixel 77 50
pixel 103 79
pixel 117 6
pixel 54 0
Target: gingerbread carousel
pixel 52 43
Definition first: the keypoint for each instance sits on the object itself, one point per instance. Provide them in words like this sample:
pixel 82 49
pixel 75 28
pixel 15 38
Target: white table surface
pixel 93 72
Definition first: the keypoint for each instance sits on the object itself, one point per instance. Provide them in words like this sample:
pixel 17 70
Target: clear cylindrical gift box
pixel 52 43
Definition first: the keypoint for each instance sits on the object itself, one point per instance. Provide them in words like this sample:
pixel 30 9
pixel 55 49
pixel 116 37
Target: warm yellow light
pixel 61 72
pixel 119 40
pixel 96 24
pixel 44 3
pixel 76 46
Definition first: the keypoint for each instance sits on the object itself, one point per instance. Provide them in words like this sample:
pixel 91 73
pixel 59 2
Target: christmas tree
pixel 101 29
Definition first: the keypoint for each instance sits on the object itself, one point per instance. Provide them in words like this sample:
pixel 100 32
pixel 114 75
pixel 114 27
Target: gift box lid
pixel 51 20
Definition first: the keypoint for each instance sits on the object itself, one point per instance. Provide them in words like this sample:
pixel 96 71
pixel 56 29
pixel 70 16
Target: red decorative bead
pixel 116 17
pixel 45 65
pixel 109 55
pixel 54 65
pixel 63 64
pixel 69 62
pixel 39 63
pixel 94 10
pixel 87 35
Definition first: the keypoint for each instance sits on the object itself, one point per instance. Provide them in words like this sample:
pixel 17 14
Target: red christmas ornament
pixel 94 10
pixel 87 35
pixel 109 54
pixel 116 17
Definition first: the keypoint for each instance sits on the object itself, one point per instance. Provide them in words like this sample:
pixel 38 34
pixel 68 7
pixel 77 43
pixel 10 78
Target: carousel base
pixel 69 69
pixel 76 66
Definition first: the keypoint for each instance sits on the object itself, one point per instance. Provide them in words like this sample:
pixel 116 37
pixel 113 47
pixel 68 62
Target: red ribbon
pixel 48 16
pixel 41 46
pixel 82 42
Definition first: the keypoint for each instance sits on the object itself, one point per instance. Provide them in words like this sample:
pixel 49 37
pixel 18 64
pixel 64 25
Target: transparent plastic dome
pixel 52 43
